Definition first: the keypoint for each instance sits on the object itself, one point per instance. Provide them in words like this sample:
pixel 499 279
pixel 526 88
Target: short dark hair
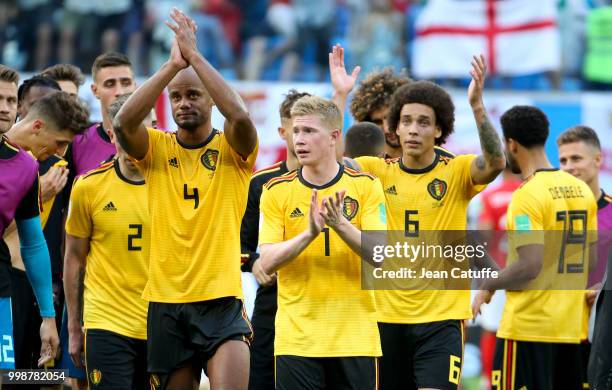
pixel 364 139
pixel 115 106
pixel 36 81
pixel 527 125
pixel 9 74
pixel 290 98
pixel 108 60
pixel 579 133
pixel 63 110
pixel 65 72
pixel 375 92
pixel 428 94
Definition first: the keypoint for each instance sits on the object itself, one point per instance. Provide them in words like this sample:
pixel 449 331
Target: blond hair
pixel 326 110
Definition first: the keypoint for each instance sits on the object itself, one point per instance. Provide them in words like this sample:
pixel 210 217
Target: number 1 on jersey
pixel 195 195
pixel 326 233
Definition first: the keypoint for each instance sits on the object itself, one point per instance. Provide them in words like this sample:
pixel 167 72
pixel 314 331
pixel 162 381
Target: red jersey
pixel 495 203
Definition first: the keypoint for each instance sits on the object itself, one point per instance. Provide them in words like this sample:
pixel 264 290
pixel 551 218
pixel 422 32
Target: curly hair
pixel 65 72
pixel 428 94
pixel 64 111
pixel 375 92
pixel 527 125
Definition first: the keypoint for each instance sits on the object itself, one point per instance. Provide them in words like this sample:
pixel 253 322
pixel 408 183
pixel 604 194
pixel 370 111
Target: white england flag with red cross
pixel 518 37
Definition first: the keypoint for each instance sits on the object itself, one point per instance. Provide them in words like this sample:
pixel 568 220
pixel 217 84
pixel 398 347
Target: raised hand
pixel 176 56
pixel 478 73
pixel 184 31
pixel 342 82
pixel 332 210
pixel 316 220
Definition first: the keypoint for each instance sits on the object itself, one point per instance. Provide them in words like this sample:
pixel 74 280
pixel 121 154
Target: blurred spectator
pixel 35 32
pixel 134 30
pixel 91 27
pixel 157 12
pixel 8 11
pixel 281 17
pixel 315 24
pixel 273 39
pixel 598 60
pixel 254 33
pixel 377 37
pixel 572 21
pixel 211 35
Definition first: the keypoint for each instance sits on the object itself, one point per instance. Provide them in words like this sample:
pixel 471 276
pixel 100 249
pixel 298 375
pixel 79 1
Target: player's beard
pixel 512 164
pixel 191 124
pixel 392 140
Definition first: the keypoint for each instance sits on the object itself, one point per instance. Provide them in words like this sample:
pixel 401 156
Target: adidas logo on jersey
pixel 109 207
pixel 391 190
pixel 173 162
pixel 296 213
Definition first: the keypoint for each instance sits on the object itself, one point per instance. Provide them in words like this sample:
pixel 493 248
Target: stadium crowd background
pixel 274 40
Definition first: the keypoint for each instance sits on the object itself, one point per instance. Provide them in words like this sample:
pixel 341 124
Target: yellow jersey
pixel 111 211
pixel 322 309
pixel 434 198
pixel 559 211
pixel 197 197
pixel 48 205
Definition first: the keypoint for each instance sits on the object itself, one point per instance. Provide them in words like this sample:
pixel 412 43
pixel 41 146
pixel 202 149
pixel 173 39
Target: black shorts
pixel 306 373
pixel 534 365
pixel 114 361
pixel 190 333
pixel 261 375
pixel 421 355
pixel 26 321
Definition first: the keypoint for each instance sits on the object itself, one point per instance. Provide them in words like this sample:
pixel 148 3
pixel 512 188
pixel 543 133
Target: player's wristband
pixel 35 255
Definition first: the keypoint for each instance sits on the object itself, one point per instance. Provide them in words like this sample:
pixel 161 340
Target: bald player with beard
pixel 198 179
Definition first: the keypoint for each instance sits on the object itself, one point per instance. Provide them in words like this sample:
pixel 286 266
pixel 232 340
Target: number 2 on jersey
pixel 132 237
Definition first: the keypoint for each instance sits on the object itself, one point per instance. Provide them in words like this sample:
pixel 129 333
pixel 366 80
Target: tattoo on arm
pixel 489 141
pixel 481 163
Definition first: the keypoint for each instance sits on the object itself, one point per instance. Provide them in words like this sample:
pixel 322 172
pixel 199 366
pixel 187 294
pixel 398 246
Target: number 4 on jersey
pixel 195 195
